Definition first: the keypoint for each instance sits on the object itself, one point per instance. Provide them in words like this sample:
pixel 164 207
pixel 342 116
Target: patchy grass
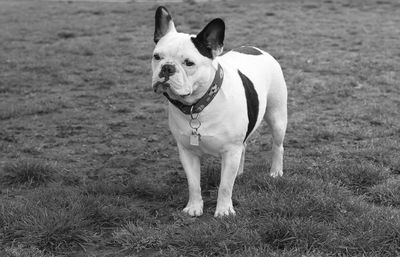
pixel 387 193
pixel 46 225
pixel 28 172
pixel 137 238
pixel 12 110
pixel 20 251
pixel 359 177
pixel 89 168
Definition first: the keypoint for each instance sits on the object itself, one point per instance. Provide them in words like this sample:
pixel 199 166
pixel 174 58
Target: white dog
pixel 216 102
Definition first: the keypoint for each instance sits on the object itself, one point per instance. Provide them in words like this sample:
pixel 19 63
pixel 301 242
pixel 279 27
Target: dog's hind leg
pixel 278 127
pixel 242 158
pixel 276 117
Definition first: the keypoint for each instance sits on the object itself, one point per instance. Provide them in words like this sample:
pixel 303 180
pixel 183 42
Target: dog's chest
pixel 204 144
pixel 212 136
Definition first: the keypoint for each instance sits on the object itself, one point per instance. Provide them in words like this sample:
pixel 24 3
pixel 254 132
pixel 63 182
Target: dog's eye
pixel 188 63
pixel 157 57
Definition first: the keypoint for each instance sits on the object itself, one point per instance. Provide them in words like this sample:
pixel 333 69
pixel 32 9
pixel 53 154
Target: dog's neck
pixel 202 97
pixel 202 87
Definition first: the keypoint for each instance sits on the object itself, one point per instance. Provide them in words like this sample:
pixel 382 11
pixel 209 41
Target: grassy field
pixel 88 166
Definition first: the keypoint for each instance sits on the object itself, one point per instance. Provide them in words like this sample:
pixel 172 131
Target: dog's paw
pixel 194 209
pixel 276 173
pixel 224 211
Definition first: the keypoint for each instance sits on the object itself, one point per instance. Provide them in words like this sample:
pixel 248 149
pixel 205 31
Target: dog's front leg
pixel 191 165
pixel 230 165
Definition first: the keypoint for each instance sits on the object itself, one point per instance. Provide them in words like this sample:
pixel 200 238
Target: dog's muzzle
pixel 167 70
pixel 161 87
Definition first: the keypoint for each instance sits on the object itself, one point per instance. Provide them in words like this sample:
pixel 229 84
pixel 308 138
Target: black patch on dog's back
pixel 248 50
pixel 252 102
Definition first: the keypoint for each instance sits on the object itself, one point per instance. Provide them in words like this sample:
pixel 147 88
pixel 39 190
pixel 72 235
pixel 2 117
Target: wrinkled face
pixel 179 69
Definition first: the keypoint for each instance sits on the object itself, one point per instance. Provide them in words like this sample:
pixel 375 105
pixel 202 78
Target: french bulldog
pixel 216 102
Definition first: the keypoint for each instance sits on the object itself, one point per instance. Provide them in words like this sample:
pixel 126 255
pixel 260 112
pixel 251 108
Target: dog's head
pixel 182 64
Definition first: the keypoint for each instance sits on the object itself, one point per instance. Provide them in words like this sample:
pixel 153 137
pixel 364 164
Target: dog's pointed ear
pixel 210 41
pixel 164 23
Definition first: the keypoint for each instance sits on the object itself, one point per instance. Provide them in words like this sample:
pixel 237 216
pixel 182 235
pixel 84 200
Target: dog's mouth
pixel 161 87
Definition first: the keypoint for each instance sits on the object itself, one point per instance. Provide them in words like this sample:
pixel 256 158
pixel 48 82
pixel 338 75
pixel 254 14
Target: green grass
pixel 89 168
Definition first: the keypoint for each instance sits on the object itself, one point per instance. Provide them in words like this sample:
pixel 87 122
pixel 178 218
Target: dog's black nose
pixel 167 70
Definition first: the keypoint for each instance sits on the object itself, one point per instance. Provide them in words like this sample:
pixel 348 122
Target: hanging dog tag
pixel 194 139
pixel 195 124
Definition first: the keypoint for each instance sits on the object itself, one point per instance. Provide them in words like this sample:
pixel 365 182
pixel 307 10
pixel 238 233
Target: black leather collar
pixel 205 99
